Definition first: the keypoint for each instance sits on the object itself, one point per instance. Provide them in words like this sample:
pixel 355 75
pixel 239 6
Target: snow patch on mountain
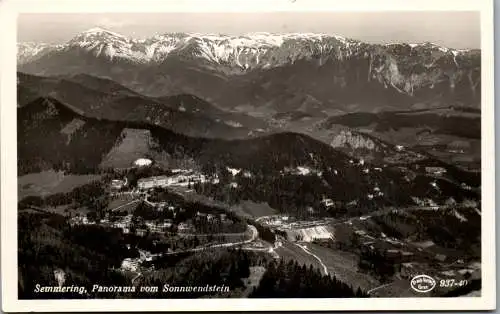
pixel 31 51
pixel 246 51
pixel 402 67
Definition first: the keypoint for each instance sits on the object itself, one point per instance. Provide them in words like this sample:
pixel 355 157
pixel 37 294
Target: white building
pixel 151 182
pixel 184 227
pixel 164 181
pixel 438 171
pixel 118 184
pixel 130 264
pixel 143 162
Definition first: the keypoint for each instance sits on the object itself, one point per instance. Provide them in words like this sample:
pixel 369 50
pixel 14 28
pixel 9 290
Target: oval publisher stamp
pixel 423 283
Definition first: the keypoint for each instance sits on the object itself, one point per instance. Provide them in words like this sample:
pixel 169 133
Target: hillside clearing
pixel 51 182
pixel 254 209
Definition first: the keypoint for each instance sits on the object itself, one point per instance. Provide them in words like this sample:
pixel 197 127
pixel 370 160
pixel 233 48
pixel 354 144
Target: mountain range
pixel 260 71
pixel 105 99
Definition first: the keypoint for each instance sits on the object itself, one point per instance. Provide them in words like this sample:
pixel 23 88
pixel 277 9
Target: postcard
pixel 229 155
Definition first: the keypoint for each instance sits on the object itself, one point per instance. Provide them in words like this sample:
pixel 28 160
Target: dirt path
pixel 379 287
pixel 254 236
pixel 136 277
pixel 305 249
pixel 131 202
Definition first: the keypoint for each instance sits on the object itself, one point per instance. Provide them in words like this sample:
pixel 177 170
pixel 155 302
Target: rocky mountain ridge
pixel 197 63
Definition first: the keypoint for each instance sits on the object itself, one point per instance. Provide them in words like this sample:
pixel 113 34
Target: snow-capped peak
pixel 238 52
pixel 29 51
pixel 98 33
pixel 428 45
pixel 102 42
pixel 99 30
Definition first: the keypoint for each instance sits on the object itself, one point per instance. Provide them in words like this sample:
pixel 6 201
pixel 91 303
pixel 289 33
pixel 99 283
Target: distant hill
pixel 270 168
pixel 105 99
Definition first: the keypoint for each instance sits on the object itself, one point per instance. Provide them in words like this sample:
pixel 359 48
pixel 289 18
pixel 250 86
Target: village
pixel 404 258
pixel 161 217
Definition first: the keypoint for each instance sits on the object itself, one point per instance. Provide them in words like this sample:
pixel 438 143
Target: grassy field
pixel 290 251
pixel 344 266
pixel 253 209
pixel 50 182
pixel 134 145
pixel 120 201
pixel 400 288
pixel 124 204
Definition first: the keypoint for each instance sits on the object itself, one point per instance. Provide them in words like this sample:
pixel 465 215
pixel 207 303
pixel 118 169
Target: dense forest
pixel 212 267
pixel 291 280
pixel 82 252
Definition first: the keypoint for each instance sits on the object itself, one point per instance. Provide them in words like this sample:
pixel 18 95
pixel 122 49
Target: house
pixel 141 232
pixel 438 171
pixel 440 257
pixel 184 227
pixel 328 202
pixel 153 227
pixel 166 224
pixel 393 254
pixel 160 206
pixel 117 184
pixel 143 162
pixel 145 256
pixel 360 232
pixel 151 182
pixel 130 264
pixel 81 220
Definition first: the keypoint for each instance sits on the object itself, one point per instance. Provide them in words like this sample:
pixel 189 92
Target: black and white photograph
pixel 266 155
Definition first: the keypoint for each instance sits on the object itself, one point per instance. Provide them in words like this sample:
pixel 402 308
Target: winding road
pixel 254 236
pixel 379 287
pixel 136 277
pixel 305 249
pixel 131 202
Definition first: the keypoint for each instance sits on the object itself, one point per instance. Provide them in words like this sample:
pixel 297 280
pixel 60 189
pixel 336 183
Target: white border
pixel 10 9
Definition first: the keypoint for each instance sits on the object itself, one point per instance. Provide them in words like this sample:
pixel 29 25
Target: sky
pixel 454 29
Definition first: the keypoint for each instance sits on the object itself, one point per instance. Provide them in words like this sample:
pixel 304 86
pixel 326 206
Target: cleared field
pixel 123 205
pixel 309 234
pixel 253 209
pixel 399 288
pixel 344 266
pixel 62 210
pixel 290 251
pixel 133 145
pixel 120 201
pixel 138 143
pixel 50 182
